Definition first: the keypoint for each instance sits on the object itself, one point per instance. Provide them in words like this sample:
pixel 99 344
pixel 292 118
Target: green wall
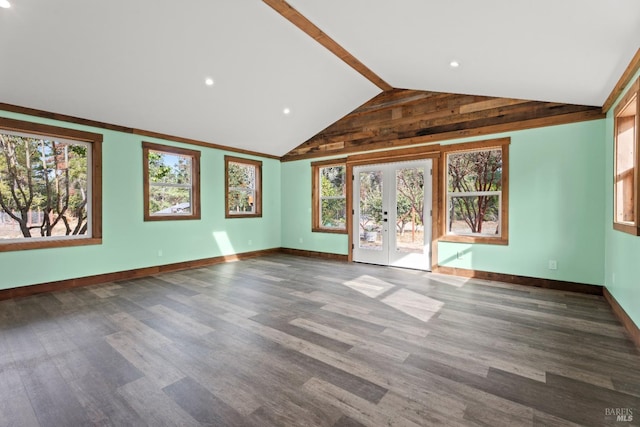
pixel 131 243
pixel 555 208
pixel 296 213
pixel 622 250
pixel 556 191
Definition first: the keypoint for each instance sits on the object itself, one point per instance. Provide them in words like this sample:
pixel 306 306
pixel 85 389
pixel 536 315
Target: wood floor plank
pixel 154 406
pixel 51 398
pixel 17 411
pixel 354 407
pixel 347 338
pixel 181 322
pixel 202 405
pixel 154 367
pixel 128 323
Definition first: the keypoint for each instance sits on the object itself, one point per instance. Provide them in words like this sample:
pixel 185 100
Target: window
pixel 243 187
pixel 476 206
pixel 329 196
pixel 626 188
pixel 171 182
pixel 50 186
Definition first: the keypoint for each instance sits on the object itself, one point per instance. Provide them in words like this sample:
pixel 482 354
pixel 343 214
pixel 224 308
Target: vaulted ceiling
pixel 143 64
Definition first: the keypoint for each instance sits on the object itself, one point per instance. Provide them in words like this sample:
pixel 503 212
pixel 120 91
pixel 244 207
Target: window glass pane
pixel 242 176
pixel 170 179
pixel 168 168
pixel 332 181
pixel 475 171
pixel 241 201
pixel 625 165
pixel 474 215
pixel 169 200
pixel 44 187
pixel 333 202
pixel 333 213
pixel 243 188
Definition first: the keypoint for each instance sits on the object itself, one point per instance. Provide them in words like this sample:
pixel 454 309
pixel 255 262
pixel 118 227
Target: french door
pixel 392 214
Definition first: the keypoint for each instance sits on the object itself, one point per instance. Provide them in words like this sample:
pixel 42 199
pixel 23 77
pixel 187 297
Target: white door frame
pixel 384 251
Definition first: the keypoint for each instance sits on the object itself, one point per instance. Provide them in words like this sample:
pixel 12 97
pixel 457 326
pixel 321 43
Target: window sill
pixel 170 217
pixel 328 230
pixel 634 230
pixel 45 244
pixel 474 239
pixel 243 216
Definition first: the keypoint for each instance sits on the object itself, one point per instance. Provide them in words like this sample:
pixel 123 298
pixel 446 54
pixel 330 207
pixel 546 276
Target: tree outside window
pixel 46 186
pixel 243 187
pixel 171 182
pixel 475 193
pixel 329 197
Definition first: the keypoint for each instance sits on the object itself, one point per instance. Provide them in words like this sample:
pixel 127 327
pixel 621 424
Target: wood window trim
pixel 632 95
pixel 432 151
pixel 258 198
pixel 195 178
pixel 316 227
pixel 503 144
pixel 95 140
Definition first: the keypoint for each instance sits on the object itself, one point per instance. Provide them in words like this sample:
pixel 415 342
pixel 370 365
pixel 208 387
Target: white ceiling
pixel 568 51
pixel 142 63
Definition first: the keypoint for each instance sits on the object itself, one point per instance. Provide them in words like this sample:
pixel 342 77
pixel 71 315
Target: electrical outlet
pixel 553 264
pixel 301 240
pixel 159 252
pixel 250 242
pixel 613 277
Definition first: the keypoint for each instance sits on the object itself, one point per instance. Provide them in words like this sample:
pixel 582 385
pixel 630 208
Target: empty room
pixel 319 213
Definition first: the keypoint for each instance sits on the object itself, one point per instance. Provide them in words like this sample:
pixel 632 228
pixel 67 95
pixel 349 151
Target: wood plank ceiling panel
pixel 400 117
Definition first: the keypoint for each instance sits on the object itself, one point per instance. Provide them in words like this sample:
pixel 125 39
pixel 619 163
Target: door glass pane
pixel 370 226
pixel 410 210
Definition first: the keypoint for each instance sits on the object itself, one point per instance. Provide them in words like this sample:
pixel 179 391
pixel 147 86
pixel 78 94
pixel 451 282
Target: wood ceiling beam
pixel 300 21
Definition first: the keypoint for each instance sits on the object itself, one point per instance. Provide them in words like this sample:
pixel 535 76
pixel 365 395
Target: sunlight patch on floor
pixel 369 286
pixel 414 304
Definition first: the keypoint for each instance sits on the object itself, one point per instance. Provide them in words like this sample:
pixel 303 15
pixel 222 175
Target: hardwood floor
pixel 290 341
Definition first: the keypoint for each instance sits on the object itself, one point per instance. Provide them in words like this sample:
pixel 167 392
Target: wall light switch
pixel 553 264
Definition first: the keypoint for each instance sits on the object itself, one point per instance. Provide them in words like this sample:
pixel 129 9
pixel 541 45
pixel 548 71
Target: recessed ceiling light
pixel 5 4
pixel 208 81
pixel 454 64
pixel 286 111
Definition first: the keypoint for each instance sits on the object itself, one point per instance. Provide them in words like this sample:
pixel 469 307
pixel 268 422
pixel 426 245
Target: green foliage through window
pixel 474 192
pixel 44 187
pixel 170 183
pixel 242 188
pixel 333 201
